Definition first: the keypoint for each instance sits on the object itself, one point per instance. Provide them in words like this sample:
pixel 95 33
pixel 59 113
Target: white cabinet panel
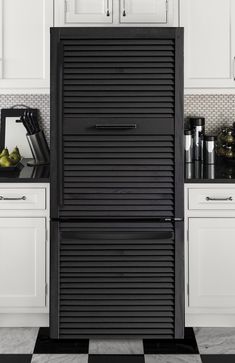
pixel 25 38
pixel 211 262
pixel 22 198
pixel 22 262
pixel 139 11
pixel 211 198
pixel 116 12
pixel 88 11
pixel 209 42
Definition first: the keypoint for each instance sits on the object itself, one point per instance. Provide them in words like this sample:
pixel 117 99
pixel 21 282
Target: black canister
pixel 198 126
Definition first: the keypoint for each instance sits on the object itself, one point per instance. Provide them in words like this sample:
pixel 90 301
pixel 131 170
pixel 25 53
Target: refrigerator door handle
pixel 115 126
pixel 174 219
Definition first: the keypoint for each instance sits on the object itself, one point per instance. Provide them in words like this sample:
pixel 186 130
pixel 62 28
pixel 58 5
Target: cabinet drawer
pixel 211 198
pixel 22 198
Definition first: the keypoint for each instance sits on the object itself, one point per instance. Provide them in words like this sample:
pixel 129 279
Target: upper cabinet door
pixel 88 11
pixel 147 11
pixel 116 12
pixel 24 45
pixel 209 43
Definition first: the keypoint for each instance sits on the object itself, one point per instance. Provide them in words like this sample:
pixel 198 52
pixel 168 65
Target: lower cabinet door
pixel 211 262
pixel 22 262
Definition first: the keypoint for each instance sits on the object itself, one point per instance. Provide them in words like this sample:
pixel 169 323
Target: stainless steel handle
pixel 219 199
pixel 124 8
pixel 115 126
pixel 20 198
pixel 107 9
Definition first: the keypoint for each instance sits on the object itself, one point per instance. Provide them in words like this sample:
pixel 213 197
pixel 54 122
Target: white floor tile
pixel 17 340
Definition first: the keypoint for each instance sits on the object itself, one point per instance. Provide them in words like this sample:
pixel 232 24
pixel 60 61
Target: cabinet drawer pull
pixel 219 199
pixel 20 198
pixel 115 126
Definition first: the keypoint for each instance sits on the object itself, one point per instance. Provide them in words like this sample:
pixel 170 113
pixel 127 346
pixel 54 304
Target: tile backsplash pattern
pixel 42 102
pixel 217 109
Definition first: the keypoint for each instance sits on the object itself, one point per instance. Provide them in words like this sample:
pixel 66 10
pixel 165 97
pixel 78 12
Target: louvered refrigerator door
pixel 117 175
pixel 115 280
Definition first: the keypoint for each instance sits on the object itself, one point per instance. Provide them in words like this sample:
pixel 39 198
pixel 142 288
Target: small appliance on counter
pixel 198 146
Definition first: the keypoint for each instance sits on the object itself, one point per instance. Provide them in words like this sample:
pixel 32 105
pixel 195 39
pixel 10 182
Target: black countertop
pixel 221 172
pixel 196 172
pixel 26 174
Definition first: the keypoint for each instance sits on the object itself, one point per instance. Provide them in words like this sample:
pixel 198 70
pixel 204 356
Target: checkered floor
pixel 201 345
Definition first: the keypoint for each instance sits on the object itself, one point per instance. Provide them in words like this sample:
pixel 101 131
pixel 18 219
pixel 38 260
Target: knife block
pixel 39 148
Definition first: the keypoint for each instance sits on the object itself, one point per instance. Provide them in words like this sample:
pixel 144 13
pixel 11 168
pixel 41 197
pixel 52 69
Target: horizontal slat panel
pixel 117 276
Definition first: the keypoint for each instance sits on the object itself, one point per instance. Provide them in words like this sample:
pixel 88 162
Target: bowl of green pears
pixel 10 160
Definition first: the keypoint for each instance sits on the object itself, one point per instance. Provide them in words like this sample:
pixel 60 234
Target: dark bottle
pixel 198 126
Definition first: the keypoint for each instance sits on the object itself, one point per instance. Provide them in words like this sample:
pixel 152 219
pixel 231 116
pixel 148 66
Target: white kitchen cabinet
pixel 116 12
pixel 88 11
pixel 25 45
pixel 209 43
pixel 24 254
pixel 210 255
pixel 211 259
pixel 22 262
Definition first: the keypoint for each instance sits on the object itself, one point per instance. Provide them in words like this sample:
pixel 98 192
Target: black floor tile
pixel 188 345
pixel 15 358
pixel 45 345
pixel 115 358
pixel 221 358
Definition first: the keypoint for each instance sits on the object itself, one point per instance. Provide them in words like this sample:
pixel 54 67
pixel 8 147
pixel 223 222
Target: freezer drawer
pixel 118 169
pixel 116 280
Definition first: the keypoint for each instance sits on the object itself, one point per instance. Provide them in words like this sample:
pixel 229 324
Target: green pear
pixel 4 152
pixel 15 155
pixel 16 151
pixel 5 162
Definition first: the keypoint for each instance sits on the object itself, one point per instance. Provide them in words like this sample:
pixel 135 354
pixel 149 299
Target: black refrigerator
pixel 117 250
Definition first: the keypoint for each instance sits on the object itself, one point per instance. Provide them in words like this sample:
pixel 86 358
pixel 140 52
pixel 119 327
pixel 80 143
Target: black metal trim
pixel 54 279
pixel 55 96
pixel 179 185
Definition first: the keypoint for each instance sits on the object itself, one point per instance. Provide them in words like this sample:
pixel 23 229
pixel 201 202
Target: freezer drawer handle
pixel 20 198
pixel 219 199
pixel 115 126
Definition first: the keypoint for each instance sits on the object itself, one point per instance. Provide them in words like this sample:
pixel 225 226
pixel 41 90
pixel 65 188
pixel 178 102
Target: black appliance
pixel 117 183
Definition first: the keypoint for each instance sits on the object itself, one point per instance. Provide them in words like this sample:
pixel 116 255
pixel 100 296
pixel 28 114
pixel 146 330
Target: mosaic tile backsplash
pixel 218 110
